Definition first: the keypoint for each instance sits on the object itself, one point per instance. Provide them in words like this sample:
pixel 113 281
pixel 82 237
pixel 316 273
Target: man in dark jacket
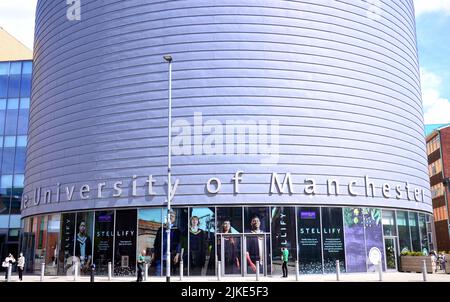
pixel 175 246
pixel 83 247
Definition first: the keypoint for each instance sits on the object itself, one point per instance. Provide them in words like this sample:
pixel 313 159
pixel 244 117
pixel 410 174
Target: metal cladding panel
pixel 341 79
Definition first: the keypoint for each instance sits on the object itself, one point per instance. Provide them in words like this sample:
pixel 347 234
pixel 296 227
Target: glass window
pixel 415 233
pixel 65 258
pixel 51 258
pixel 25 85
pixel 22 141
pixel 22 125
pixel 103 242
pixel 309 241
pixel 2 121
pixel 24 103
pixel 11 121
pixel 4 68
pixel 229 220
pixel 149 222
pixel 27 67
pixel 14 86
pixel 201 242
pixel 19 162
pixel 2 104
pixel 83 241
pixel 15 68
pixel 373 231
pixel 423 234
pixel 125 245
pixel 8 161
pixel 389 228
pixel 18 180
pixel 283 236
pixel 41 242
pixel 333 239
pixel 6 181
pixel 403 231
pixel 3 86
pixel 10 141
pixel 355 252
pixel 13 103
pixel 256 219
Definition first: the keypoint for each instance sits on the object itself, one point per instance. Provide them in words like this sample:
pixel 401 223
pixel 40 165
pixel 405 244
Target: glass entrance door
pixel 255 249
pixel 391 253
pixel 230 254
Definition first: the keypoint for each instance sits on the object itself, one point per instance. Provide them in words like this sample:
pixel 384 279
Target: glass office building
pixel 296 124
pixel 15 89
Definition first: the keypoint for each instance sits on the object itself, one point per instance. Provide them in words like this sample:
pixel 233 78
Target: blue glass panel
pixel 24 103
pixel 14 86
pixel 27 67
pixel 8 161
pixel 2 121
pixel 22 126
pixel 25 88
pixel 2 104
pixel 10 141
pixel 15 68
pixel 13 104
pixel 19 164
pixel 18 180
pixel 11 122
pixel 6 181
pixel 4 68
pixel 21 141
pixel 3 86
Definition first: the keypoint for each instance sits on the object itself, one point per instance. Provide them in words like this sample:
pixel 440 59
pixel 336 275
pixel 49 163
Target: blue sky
pixel 433 39
pixel 433 34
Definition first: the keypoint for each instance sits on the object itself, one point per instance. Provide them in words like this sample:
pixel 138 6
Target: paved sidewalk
pixel 356 277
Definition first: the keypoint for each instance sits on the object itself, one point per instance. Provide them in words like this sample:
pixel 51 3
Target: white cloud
pixel 436 108
pixel 17 18
pixel 430 6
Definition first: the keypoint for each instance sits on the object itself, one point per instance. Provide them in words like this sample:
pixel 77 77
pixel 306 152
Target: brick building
pixel 438 151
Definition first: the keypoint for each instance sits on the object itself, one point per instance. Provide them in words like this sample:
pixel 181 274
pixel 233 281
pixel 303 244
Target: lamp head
pixel 168 58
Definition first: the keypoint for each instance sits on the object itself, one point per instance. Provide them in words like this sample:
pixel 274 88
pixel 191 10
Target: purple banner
pixel 308 215
pixel 354 240
pixel 374 235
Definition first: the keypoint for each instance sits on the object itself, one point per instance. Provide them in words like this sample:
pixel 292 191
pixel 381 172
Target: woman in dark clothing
pixel 197 248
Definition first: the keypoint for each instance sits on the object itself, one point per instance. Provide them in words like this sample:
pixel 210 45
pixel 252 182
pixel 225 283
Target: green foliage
pixel 412 254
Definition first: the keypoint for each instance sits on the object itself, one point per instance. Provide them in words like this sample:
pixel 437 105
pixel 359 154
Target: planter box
pixel 414 264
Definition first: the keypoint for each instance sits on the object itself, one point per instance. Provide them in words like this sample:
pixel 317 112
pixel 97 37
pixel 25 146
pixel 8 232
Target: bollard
pixel 424 270
pixel 8 277
pixel 92 272
pixel 257 270
pixel 219 270
pixel 42 271
pixel 109 271
pixel 146 272
pixel 380 271
pixel 75 275
pixel 338 270
pixel 181 270
pixel 297 271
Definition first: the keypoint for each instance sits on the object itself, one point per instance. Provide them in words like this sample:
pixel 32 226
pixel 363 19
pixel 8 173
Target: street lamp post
pixel 168 59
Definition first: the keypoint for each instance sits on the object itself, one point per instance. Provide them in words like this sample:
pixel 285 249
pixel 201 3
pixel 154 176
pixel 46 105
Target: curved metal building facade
pixel 306 114
pixel 340 78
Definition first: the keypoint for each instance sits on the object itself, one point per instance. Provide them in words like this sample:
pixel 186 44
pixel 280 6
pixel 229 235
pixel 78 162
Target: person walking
pixel 284 258
pixel 140 265
pixel 8 260
pixel 20 265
